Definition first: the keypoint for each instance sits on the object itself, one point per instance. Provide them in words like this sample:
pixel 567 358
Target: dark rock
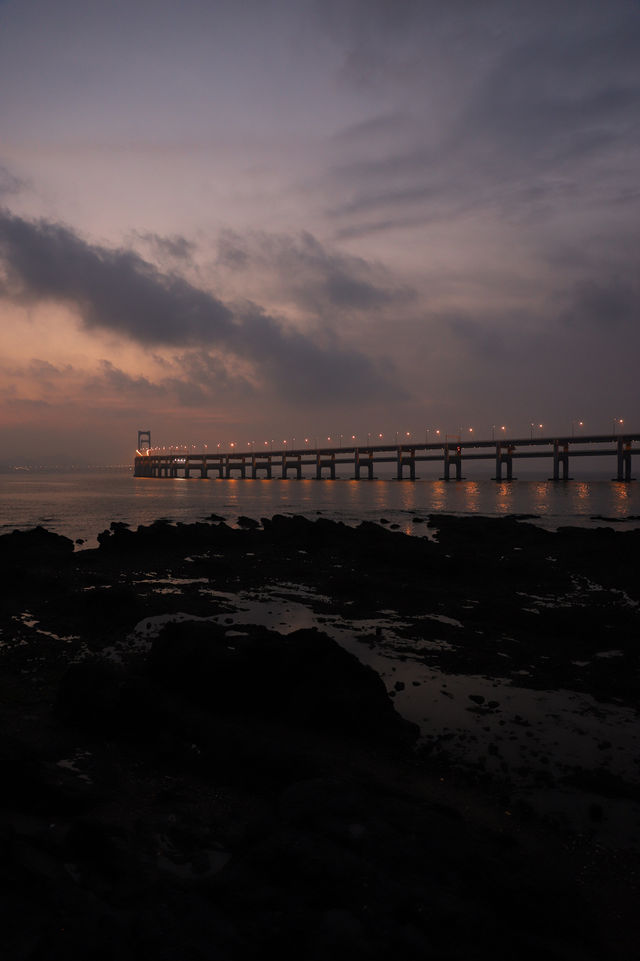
pixel 248 523
pixel 89 693
pixel 39 545
pixel 304 677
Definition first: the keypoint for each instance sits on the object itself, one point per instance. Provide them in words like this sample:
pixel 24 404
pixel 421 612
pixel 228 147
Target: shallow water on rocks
pixel 537 739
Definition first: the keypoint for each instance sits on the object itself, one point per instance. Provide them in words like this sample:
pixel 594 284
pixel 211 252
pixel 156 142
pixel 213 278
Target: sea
pixel 83 502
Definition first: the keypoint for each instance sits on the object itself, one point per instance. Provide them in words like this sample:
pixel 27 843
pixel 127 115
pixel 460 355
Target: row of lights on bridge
pixel 400 437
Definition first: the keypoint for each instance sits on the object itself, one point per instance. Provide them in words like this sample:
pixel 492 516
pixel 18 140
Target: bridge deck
pixel 362 459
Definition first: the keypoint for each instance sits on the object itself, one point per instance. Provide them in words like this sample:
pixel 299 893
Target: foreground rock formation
pixel 218 790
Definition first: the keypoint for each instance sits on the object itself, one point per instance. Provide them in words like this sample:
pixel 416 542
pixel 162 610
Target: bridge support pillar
pixel 504 457
pixel 409 461
pixel 230 465
pixel 367 465
pixel 257 465
pixel 295 465
pixel 331 464
pixel 560 457
pixel 450 458
pixel 624 460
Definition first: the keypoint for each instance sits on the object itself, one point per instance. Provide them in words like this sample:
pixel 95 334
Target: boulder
pixel 303 678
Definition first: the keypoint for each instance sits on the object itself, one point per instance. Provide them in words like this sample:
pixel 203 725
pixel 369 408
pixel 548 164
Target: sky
pixel 247 220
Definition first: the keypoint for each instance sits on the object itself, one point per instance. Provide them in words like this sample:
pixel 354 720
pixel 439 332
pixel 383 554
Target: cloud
pixel 111 289
pixel 124 383
pixel 531 111
pixel 321 280
pixel 604 303
pixel 175 247
pixel 116 290
pixel 9 182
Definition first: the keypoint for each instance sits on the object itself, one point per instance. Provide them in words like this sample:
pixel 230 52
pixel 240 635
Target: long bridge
pixel 362 459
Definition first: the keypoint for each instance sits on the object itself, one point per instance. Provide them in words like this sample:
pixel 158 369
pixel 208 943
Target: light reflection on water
pixel 504 498
pixel 83 504
pixel 622 498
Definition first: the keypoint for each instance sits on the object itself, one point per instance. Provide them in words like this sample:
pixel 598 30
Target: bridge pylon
pixel 144 440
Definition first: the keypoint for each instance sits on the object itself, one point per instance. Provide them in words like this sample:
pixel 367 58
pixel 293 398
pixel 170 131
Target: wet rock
pixel 304 677
pixel 89 692
pixel 39 545
pixel 248 523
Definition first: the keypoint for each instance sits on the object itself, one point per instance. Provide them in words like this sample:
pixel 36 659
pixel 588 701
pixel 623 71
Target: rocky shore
pixel 191 774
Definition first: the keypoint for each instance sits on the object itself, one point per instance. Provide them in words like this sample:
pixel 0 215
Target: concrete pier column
pixel 498 476
pixel 399 463
pixel 620 458
pixel 412 464
pixel 295 465
pixel 356 464
pixel 203 469
pixel 318 467
pixel 624 460
pixel 509 463
pixel 560 457
pixel 447 463
pixel 283 469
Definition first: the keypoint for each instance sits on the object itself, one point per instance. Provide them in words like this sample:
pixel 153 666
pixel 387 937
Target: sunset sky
pixel 238 220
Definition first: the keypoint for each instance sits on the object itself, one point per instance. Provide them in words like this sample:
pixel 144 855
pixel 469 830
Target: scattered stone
pixel 248 523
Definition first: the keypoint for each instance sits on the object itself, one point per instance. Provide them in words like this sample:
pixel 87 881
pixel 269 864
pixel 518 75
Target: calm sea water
pixel 82 504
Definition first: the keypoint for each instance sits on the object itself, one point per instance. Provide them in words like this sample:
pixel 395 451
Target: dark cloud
pixel 111 289
pixel 171 248
pixel 125 383
pixel 541 108
pixel 608 303
pixel 319 279
pixel 9 182
pixel 197 379
pixel 118 291
pixel 299 370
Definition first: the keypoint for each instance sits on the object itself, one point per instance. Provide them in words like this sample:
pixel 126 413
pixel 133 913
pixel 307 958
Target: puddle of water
pixel 476 718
